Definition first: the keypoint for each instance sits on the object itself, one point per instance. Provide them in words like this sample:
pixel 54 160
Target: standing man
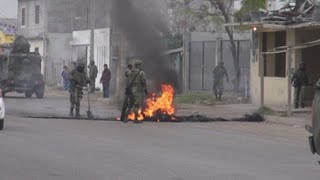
pixel 78 80
pixel 300 81
pixel 137 88
pixel 105 81
pixel 128 70
pixel 65 77
pixel 93 72
pixel 219 73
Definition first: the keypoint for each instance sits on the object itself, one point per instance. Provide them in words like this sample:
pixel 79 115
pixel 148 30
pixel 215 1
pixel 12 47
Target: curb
pixel 287 121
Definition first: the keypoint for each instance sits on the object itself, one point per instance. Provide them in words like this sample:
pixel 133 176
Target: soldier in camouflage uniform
pixel 300 81
pixel 218 75
pixel 93 72
pixel 78 80
pixel 138 89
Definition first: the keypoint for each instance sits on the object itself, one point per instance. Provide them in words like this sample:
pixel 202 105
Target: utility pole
pixel 93 7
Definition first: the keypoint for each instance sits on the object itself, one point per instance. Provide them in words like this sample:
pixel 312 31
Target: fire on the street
pixel 158 105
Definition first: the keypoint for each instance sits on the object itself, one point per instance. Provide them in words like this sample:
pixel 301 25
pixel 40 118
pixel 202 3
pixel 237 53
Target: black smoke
pixel 144 26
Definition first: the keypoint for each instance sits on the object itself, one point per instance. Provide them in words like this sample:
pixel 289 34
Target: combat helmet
pixel 138 62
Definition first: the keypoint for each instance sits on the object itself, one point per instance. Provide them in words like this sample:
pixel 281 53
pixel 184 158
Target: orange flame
pixel 162 104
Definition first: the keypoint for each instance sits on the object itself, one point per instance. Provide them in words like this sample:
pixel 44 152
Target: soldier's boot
pixel 71 112
pixel 125 120
pixel 77 113
pixel 220 97
pixel 296 106
pixel 302 105
pixel 216 96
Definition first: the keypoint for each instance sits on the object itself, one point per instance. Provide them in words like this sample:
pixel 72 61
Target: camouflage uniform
pixel 78 80
pixel 218 74
pixel 300 81
pixel 93 72
pixel 138 89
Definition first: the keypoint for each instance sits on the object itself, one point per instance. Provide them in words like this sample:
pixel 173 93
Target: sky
pixel 8 8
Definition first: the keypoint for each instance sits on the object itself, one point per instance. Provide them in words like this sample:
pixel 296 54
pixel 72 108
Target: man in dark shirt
pixel 105 81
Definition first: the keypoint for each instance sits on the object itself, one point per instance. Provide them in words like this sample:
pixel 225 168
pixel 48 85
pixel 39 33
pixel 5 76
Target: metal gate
pixel 203 57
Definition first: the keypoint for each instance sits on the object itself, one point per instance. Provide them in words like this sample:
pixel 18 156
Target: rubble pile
pixel 302 11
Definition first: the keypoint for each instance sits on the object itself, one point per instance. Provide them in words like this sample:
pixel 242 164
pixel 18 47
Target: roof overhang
pixel 267 26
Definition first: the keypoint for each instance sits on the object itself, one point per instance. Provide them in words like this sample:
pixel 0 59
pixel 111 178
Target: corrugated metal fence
pixel 203 60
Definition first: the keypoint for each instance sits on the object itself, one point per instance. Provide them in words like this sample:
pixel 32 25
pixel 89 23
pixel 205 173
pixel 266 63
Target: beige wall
pixel 275 89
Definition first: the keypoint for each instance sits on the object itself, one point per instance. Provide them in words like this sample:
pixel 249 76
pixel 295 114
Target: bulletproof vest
pixel 302 78
pixel 132 75
pixel 219 72
pixel 79 78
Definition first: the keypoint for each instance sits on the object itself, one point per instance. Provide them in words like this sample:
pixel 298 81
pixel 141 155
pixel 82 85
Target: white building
pixel 81 43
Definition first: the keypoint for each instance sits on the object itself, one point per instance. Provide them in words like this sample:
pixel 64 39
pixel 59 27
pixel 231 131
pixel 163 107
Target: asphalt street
pixel 58 149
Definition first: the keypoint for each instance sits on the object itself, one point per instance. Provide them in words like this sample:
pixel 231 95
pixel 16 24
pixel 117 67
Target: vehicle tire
pixel 28 94
pixel 1 124
pixel 39 92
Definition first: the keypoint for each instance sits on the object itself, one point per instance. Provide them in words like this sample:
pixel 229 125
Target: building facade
pixel 48 26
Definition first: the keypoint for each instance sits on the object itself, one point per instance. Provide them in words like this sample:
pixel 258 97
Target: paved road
pixel 38 149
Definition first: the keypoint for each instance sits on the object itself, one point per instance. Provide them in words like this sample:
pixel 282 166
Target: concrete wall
pixel 59 54
pixel 31 29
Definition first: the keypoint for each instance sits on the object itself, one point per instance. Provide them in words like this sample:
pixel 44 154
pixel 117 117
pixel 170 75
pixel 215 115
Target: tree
pixel 249 6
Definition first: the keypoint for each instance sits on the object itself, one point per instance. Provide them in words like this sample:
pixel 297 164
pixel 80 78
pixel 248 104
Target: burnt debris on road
pixel 176 119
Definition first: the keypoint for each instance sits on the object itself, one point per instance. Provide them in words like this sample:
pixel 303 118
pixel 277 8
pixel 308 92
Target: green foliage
pixel 250 6
pixel 175 41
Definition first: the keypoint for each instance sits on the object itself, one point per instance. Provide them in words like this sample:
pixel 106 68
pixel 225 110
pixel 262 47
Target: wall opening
pixel 274 64
pixel 37 14
pixel 23 16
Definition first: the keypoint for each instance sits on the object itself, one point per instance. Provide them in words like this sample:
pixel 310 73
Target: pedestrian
pixel 219 73
pixel 65 77
pixel 138 88
pixel 300 82
pixel 93 72
pixel 78 80
pixel 105 81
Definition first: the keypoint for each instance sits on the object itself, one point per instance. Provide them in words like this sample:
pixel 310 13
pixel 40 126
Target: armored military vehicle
pixel 20 70
pixel 314 127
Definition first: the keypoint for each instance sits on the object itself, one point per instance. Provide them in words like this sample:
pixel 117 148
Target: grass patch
pixel 195 98
pixel 266 111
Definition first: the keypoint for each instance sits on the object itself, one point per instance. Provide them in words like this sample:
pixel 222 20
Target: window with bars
pixel 23 16
pixel 37 14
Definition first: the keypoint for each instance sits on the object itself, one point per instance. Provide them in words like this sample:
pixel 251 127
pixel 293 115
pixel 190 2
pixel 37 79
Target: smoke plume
pixel 143 25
